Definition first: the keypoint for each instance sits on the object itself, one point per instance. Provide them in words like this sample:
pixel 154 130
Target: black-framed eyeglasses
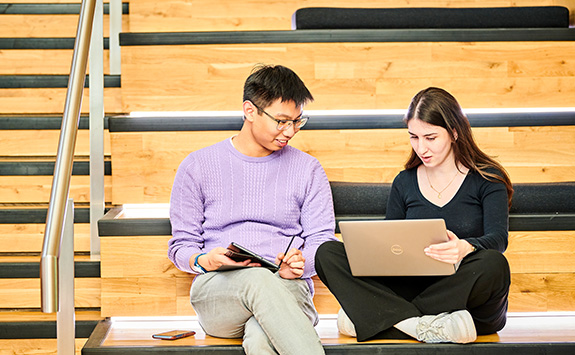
pixel 283 125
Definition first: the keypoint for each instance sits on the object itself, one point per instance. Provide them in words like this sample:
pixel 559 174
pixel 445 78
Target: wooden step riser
pixel 48 25
pixel 138 279
pixel 151 15
pixel 40 101
pixel 145 163
pixel 353 75
pixel 44 143
pixel 41 61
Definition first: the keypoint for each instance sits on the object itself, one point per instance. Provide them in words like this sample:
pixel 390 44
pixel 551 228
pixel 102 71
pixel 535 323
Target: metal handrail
pixel 64 160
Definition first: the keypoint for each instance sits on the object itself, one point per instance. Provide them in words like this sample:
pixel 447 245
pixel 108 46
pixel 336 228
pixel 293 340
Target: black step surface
pixel 28 168
pixel 336 121
pixel 49 81
pixel 23 122
pixel 326 36
pixel 38 215
pixel 42 329
pixel 31 270
pixel 94 347
pixel 51 9
pixel 42 43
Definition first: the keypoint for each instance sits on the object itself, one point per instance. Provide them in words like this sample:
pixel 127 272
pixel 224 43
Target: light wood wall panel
pixel 36 189
pixel 230 15
pixel 35 346
pixel 25 293
pixel 44 143
pixel 52 100
pixel 138 279
pixel 28 238
pixel 48 25
pixel 353 75
pixel 145 163
pixel 41 61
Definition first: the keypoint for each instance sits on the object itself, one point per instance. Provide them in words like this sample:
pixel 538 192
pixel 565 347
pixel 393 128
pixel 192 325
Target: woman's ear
pixel 249 110
pixel 455 135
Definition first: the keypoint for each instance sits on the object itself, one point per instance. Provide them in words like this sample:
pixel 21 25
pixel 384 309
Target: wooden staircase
pixel 36 42
pixel 35 53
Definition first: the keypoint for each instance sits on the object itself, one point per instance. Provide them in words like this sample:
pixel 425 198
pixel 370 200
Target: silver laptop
pixel 394 247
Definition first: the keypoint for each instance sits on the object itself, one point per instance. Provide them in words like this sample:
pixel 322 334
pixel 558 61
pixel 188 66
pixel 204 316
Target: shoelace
pixel 430 332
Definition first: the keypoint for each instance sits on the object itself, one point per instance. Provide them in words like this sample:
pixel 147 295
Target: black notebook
pixel 237 252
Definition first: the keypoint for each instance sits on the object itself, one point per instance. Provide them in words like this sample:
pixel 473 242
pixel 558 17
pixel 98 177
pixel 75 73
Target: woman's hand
pixel 450 252
pixel 292 265
pixel 216 257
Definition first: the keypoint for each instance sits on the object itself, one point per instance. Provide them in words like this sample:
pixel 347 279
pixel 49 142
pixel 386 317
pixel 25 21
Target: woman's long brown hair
pixel 439 108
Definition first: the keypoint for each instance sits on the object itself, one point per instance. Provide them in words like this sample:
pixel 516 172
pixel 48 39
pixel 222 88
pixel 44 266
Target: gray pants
pixel 272 314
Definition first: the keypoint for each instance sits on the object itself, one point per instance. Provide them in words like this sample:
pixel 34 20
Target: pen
pixel 287 249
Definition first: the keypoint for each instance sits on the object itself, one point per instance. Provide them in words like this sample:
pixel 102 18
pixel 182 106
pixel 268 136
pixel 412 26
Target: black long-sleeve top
pixel 478 212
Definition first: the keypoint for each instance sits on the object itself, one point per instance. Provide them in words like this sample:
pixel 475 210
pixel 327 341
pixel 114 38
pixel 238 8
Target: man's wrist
pixel 196 267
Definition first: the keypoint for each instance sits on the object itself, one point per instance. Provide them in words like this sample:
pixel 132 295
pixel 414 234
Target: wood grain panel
pixel 35 346
pixel 28 238
pixel 137 257
pixel 145 163
pixel 47 101
pixel 36 189
pixel 25 293
pixel 203 15
pixel 157 296
pixel 41 61
pixel 353 75
pixel 138 279
pixel 48 25
pixel 21 143
pixel 150 296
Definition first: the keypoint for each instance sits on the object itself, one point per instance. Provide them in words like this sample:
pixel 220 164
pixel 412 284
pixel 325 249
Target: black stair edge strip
pixel 93 346
pixel 43 329
pixel 335 122
pixel 38 215
pixel 42 43
pixel 31 270
pixel 50 81
pixel 123 227
pixel 52 9
pixel 41 122
pixel 30 168
pixel 360 36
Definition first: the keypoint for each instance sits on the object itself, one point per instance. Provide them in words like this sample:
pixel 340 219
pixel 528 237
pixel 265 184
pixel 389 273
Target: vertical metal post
pixel 115 29
pixel 66 318
pixel 96 128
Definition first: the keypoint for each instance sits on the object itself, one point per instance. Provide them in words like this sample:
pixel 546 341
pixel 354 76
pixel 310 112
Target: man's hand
pixel 216 258
pixel 292 264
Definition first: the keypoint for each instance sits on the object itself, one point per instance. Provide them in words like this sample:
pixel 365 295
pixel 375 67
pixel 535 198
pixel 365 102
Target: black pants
pixel 376 304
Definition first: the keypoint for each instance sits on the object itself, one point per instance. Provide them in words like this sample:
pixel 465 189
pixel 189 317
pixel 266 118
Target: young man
pixel 256 190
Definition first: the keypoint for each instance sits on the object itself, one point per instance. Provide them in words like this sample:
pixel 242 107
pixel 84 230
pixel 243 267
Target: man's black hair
pixel 267 83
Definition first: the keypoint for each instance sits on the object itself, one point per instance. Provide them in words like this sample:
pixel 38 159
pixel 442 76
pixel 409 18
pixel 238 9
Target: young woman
pixel 446 176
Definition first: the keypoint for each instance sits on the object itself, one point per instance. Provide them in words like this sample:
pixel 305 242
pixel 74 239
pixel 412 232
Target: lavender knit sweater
pixel 220 195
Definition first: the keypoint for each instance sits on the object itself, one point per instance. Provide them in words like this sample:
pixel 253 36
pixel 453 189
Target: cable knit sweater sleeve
pixel 317 217
pixel 186 216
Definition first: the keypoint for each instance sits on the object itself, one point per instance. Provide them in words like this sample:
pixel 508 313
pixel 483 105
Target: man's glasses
pixel 285 124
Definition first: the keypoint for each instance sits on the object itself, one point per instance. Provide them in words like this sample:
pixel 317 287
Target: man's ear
pixel 249 110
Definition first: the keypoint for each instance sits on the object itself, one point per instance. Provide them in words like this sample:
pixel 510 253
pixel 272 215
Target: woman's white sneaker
pixel 345 325
pixel 456 327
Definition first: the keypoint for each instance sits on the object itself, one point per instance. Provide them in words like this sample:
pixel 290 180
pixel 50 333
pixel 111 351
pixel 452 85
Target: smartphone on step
pixel 174 334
